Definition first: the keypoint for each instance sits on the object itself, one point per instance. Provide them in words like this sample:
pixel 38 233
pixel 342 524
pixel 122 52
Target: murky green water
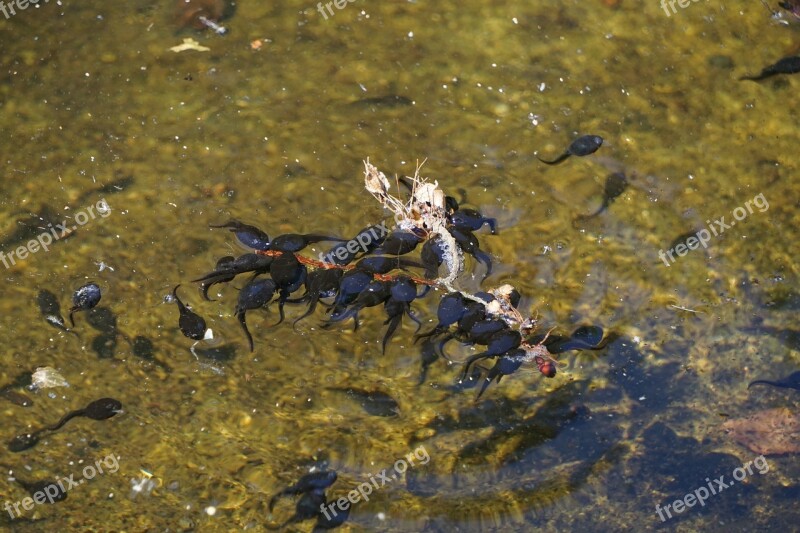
pixel 94 105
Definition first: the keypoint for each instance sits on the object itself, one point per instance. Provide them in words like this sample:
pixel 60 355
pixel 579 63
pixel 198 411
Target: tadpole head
pixel 257 293
pixel 85 298
pixel 23 442
pixel 403 289
pixel 450 204
pixel 103 408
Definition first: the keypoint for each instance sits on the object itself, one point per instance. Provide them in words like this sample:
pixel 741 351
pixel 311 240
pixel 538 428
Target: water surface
pixel 95 106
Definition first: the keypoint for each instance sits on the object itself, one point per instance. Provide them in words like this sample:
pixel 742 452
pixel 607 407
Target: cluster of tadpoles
pixel 373 268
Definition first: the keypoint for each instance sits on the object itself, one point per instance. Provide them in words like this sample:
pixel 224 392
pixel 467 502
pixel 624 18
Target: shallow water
pixel 95 106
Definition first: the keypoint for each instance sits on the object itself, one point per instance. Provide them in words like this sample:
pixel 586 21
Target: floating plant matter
pixel 368 271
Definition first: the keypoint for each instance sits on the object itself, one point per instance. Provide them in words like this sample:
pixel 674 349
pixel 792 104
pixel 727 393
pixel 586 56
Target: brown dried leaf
pixel 768 432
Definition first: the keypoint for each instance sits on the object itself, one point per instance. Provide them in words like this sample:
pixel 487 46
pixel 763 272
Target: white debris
pixel 47 378
pixel 424 213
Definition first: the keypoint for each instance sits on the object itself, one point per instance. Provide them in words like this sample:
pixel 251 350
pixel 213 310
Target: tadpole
pixel 85 298
pixel 583 145
pixel 97 410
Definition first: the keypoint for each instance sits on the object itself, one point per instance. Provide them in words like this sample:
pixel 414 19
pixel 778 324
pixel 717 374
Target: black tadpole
pixel 191 324
pixel 469 244
pixel 84 298
pixel 472 220
pixel 249 236
pixel 97 410
pixel 508 363
pixel 452 307
pixel 312 503
pixel 786 65
pixel 791 381
pixel 584 145
pixel 583 338
pixel 311 482
pixel 399 242
pixel 497 344
pixel 294 242
pixel 319 284
pixel 228 268
pixel 255 294
pixel 403 292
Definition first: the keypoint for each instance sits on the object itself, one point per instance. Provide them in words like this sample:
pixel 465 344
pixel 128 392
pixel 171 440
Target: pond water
pixel 137 149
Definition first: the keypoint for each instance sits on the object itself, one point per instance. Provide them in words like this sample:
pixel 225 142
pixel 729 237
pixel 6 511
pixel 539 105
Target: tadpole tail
pixel 204 286
pixel 64 419
pixel 312 305
pixel 762 382
pixel 281 314
pixel 486 382
pixel 240 316
pixel 555 161
pixel 602 208
pixel 213 274
pixel 484 258
pixel 473 359
pixel 432 333
pixel 393 322
pixel 416 320
pixel 429 356
pixel 343 315
pixel 274 500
